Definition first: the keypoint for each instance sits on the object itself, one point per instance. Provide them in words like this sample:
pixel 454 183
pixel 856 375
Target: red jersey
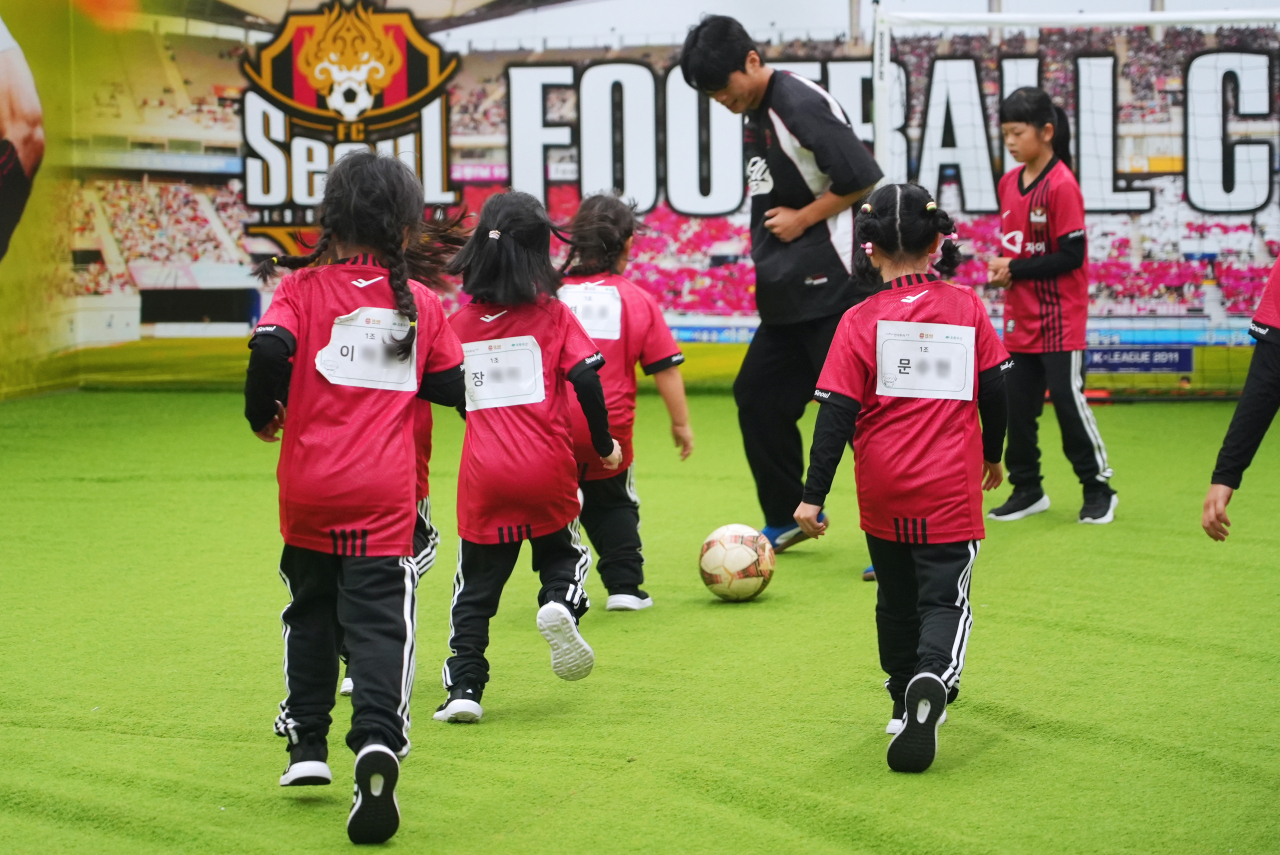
pixel 1266 320
pixel 627 326
pixel 347 464
pixel 1043 315
pixel 517 478
pixel 910 356
pixel 422 443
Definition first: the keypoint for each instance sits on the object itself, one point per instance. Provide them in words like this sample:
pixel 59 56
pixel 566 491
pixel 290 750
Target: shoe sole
pixel 869 575
pixel 1038 508
pixel 895 724
pixel 1108 517
pixel 347 687
pixel 914 747
pixel 375 815
pixel 308 773
pixel 627 603
pixel 460 711
pixel 571 657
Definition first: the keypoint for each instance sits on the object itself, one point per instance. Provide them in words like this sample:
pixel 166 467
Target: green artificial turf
pixel 1120 693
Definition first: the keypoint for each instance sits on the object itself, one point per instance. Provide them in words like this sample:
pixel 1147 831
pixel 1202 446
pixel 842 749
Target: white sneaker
pixel 307 773
pixel 627 603
pixel 895 724
pixel 347 686
pixel 571 656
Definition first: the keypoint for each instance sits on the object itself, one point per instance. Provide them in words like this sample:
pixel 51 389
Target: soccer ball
pixel 736 563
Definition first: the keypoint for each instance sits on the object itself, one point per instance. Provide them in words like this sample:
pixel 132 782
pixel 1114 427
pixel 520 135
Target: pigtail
pixel 394 258
pixel 268 268
pixel 1062 137
pixel 946 226
pixel 868 228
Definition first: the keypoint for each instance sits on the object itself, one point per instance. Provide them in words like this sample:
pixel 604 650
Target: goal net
pixel 1174 128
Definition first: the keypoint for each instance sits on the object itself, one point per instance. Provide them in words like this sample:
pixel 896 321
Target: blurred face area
pixel 744 89
pixel 1025 142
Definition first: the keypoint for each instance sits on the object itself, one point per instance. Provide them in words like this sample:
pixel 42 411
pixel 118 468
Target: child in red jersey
pixel 1045 267
pixel 627 325
pixel 913 367
pixel 517 480
pixel 366 342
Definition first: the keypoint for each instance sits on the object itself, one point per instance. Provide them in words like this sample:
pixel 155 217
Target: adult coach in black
pixel 805 170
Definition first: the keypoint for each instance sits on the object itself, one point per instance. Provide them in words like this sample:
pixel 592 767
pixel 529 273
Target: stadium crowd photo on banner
pixel 847 400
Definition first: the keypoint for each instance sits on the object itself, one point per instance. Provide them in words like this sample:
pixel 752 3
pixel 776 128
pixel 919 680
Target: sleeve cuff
pixel 278 332
pixel 826 396
pixel 663 364
pixel 592 363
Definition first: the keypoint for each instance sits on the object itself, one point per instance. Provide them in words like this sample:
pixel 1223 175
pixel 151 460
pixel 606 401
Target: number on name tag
pixel 915 360
pixel 359 352
pixel 503 372
pixel 598 308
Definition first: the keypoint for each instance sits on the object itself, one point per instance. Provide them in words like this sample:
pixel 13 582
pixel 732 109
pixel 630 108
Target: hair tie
pixel 866 208
pixel 931 207
pixel 867 247
pixel 275 259
pixel 494 234
pixel 413 323
pixel 952 236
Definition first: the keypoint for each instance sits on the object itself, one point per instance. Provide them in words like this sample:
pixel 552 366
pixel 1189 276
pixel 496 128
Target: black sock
pixel 15 189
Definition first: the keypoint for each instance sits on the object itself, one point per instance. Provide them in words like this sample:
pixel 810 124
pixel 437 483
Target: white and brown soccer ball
pixel 737 562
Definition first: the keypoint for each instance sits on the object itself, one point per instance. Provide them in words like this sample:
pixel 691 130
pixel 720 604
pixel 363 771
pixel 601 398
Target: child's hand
pixel 269 431
pixel 998 272
pixel 807 516
pixel 1214 520
pixel 683 435
pixel 992 475
pixel 613 460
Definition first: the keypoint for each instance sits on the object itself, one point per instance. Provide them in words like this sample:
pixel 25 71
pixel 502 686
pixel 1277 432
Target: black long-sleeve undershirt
pixel 1258 405
pixel 590 392
pixel 267 379
pixel 1069 256
pixel 837 421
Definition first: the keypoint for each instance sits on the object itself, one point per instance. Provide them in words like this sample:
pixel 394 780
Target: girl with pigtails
pixel 915 378
pixel 517 480
pixel 365 342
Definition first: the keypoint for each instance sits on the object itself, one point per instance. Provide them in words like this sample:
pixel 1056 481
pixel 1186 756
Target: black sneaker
pixel 375 814
pixel 462 705
pixel 308 764
pixel 1099 506
pixel 914 747
pixel 1023 503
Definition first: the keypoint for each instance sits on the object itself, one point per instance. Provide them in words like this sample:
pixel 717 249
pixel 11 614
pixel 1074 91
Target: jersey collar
pixel 362 260
pixel 1048 167
pixel 913 279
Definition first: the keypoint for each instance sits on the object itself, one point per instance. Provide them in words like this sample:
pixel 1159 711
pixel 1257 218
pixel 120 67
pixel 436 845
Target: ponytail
pixel 507 259
pixel 1062 137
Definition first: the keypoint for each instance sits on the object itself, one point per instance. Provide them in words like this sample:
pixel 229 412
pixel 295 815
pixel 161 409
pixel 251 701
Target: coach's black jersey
pixel 799 145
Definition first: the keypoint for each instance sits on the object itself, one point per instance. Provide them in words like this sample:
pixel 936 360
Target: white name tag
pixel 598 307
pixel 503 372
pixel 359 352
pixel 924 360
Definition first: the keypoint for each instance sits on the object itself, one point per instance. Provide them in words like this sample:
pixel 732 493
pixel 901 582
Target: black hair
pixel 716 47
pixel 600 231
pixel 1033 105
pixel 508 258
pixel 902 220
pixel 369 201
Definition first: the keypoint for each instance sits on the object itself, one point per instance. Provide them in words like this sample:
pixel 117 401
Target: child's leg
pixel 378 608
pixel 311 639
pixel 1025 385
pixel 897 612
pixel 426 538
pixel 611 516
pixel 562 562
pixel 942 574
pixel 483 570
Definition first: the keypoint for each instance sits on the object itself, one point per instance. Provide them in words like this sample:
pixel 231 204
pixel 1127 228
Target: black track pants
pixel 923 615
pixel 611 517
pixel 561 561
pixel 369 605
pixel 775 383
pixel 1063 374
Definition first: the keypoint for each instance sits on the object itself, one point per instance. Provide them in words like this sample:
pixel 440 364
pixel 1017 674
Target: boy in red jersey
pixel 1045 267
pixel 364 340
pixel 627 325
pixel 517 480
pixel 913 367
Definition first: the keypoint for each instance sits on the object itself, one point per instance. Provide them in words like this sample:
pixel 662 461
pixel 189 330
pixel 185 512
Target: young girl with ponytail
pixel 627 325
pixel 365 342
pixel 913 368
pixel 1044 265
pixel 517 480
